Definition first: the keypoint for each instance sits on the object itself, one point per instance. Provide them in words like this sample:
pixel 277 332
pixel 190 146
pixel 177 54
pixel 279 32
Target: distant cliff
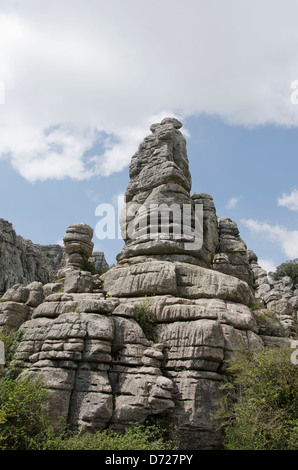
pixel 22 262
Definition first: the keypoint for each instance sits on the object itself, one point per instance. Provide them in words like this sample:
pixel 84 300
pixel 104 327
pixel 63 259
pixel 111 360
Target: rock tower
pixel 152 340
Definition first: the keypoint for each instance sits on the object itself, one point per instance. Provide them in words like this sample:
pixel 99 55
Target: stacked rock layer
pixel 154 339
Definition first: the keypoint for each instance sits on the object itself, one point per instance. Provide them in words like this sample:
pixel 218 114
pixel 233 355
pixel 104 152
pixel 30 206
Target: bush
pixel 259 410
pixel 24 424
pixel 22 419
pixel 136 437
pixel 289 268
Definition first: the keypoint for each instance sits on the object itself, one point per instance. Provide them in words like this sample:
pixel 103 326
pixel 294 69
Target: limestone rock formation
pixel 97 259
pixel 152 335
pixel 277 300
pixel 17 305
pixel 159 218
pixel 23 262
pixel 231 257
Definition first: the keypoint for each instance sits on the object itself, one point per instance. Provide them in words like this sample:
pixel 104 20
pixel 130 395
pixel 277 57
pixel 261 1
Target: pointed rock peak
pixel 167 121
pixel 160 219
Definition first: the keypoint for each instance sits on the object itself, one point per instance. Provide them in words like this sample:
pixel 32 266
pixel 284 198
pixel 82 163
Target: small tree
pixel 259 409
pixel 289 268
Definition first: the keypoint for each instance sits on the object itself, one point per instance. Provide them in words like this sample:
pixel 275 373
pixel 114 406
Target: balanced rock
pixel 78 245
pixel 159 217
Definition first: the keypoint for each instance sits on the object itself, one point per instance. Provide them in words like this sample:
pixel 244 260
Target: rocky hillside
pixel 151 336
pixel 22 262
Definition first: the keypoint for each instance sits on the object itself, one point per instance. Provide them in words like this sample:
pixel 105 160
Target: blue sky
pixel 85 80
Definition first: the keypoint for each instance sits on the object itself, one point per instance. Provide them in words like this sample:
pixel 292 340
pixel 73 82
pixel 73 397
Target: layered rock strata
pixel 276 302
pixel 160 218
pixel 231 253
pixel 154 338
pixel 24 262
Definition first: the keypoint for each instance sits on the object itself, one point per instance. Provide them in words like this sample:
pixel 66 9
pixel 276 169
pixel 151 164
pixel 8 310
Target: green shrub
pixel 10 341
pixel 268 322
pixel 289 268
pixel 89 266
pixel 22 417
pixel 259 409
pixel 24 425
pixel 136 437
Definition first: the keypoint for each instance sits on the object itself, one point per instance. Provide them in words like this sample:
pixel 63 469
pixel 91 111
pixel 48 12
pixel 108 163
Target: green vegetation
pixel 88 266
pixel 267 319
pixel 145 319
pixel 22 422
pixel 289 268
pixel 136 437
pixel 25 425
pixel 255 306
pixel 259 409
pixel 10 342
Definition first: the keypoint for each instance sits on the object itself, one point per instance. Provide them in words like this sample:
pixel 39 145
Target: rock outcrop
pixel 276 302
pixel 231 254
pixel 23 262
pixel 160 219
pixel 152 335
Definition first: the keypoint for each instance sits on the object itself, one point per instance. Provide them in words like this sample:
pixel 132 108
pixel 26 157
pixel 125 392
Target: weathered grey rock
pixel 210 226
pixel 74 352
pixel 150 277
pixel 12 315
pixel 99 262
pixel 196 345
pixel 78 247
pixel 178 309
pixel 277 298
pixel 156 339
pixel 22 262
pixel 36 294
pixel 78 281
pixel 52 288
pixel 91 402
pixel 160 175
pixel 17 293
pixel 196 282
pixel 182 279
pixel 231 257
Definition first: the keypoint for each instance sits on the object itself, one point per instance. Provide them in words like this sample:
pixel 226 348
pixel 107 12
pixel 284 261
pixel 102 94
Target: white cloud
pixel 267 264
pixel 232 203
pixel 286 239
pixel 97 73
pixel 289 200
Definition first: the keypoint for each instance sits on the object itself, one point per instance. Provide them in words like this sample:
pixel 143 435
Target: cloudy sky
pixel 82 81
